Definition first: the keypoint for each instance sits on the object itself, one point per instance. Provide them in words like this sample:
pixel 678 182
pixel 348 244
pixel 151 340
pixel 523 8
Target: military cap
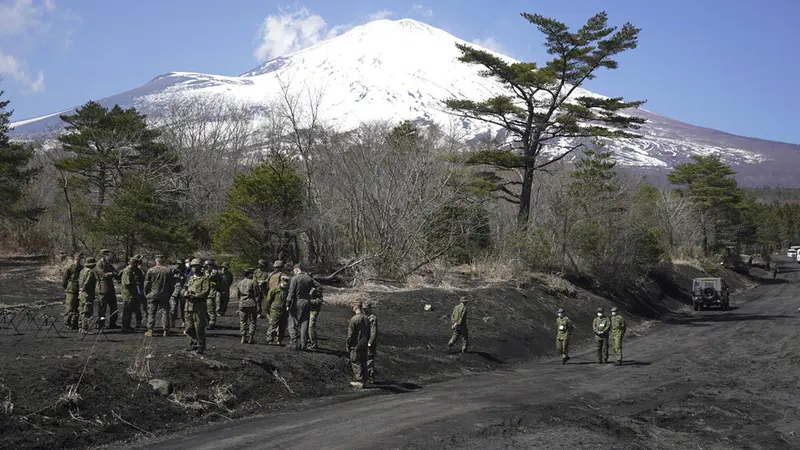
pixel 561 310
pixel 614 309
pixel 262 262
pixel 196 262
pixel 227 265
pixel 209 262
pixel 463 299
pixel 249 270
pixel 103 251
pixel 277 264
pixel 91 262
pixel 600 310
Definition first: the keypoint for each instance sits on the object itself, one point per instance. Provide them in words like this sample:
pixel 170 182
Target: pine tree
pixel 535 112
pixel 15 171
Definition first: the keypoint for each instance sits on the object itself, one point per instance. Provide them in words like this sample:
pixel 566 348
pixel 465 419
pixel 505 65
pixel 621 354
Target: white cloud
pixel 289 32
pixel 491 43
pixel 382 14
pixel 9 65
pixel 421 10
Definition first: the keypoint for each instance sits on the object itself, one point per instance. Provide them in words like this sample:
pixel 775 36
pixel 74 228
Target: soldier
pixel 372 344
pixel 198 288
pixel 357 339
pixel 246 292
pixel 140 308
pixel 601 326
pixel 215 278
pixel 774 269
pixel 225 289
pixel 70 282
pixel 459 326
pixel 298 301
pixel 618 328
pixel 260 276
pixel 87 293
pixel 316 307
pixel 130 294
pixel 564 326
pixel 158 287
pixel 106 273
pixel 177 301
pixel 275 303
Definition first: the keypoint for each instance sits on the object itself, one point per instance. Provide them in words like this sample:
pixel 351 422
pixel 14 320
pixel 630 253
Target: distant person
pixel 601 326
pixel 130 295
pixel 70 283
pixel 260 276
pixel 106 274
pixel 458 323
pixel 159 284
pixel 214 276
pixel 372 343
pixel 225 289
pixel 177 301
pixel 198 288
pixel 140 312
pixel 247 293
pixel 275 304
pixel 357 340
pixel 618 328
pixel 564 327
pixel 316 308
pixel 87 294
pixel 298 301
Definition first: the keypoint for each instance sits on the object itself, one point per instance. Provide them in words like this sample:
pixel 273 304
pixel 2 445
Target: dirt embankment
pixel 64 392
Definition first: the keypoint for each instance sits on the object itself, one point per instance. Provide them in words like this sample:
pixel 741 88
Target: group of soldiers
pixel 603 328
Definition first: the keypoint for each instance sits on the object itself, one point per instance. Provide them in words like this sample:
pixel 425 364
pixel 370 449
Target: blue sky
pixel 724 64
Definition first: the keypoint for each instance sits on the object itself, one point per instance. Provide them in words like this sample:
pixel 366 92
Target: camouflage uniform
pixel 618 328
pixel 298 300
pixel 88 293
pixel 177 301
pixel 260 276
pixel 106 273
pixel 246 292
pixel 357 340
pixel 158 287
pixel 140 313
pixel 372 343
pixel 130 295
pixel 215 278
pixel 564 326
pixel 601 326
pixel 316 307
pixel 198 288
pixel 459 326
pixel 276 305
pixel 225 289
pixel 71 286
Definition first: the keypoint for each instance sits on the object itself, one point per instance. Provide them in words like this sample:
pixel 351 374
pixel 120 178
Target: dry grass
pixel 222 395
pixel 139 370
pixel 689 262
pixel 70 398
pixel 555 285
pixel 6 406
pixel 187 400
pixel 53 272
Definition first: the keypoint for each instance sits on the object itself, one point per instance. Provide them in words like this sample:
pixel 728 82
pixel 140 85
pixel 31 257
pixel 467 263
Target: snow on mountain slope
pixel 403 69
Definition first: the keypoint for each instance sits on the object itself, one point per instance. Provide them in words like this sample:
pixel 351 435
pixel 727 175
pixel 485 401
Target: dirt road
pixel 710 380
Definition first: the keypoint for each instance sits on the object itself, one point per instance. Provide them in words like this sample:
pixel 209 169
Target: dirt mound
pixel 68 392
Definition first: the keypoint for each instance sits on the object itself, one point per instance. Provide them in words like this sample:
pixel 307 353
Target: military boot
pixel 251 340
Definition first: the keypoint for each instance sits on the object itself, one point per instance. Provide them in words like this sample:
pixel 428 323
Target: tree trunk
pixel 525 199
pixel 69 214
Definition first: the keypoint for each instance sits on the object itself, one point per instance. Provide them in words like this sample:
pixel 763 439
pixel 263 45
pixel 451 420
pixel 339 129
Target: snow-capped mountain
pixel 403 69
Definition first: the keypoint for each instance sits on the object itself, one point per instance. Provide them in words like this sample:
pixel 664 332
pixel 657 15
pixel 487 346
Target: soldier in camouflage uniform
pixel 618 328
pixel 246 292
pixel 372 343
pixel 198 288
pixel 298 301
pixel 458 322
pixel 70 282
pixel 158 288
pixel 276 305
pixel 225 289
pixel 564 327
pixel 260 276
pixel 601 326
pixel 357 340
pixel 215 278
pixel 87 293
pixel 316 307
pixel 106 274
pixel 130 294
pixel 140 313
pixel 177 301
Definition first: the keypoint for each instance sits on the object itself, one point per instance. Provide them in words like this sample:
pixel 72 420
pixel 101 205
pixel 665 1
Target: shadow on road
pixel 487 356
pixel 702 320
pixel 771 281
pixel 326 351
pixel 395 387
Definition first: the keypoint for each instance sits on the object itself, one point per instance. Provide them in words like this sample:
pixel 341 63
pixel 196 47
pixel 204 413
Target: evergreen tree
pixel 535 112
pixel 15 171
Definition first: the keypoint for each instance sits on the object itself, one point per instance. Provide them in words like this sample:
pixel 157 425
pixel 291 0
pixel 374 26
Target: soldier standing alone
pixel 246 292
pixel 198 288
pixel 601 327
pixel 71 286
pixel 87 294
pixel 357 340
pixel 459 326
pixel 618 328
pixel 372 344
pixel 564 326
